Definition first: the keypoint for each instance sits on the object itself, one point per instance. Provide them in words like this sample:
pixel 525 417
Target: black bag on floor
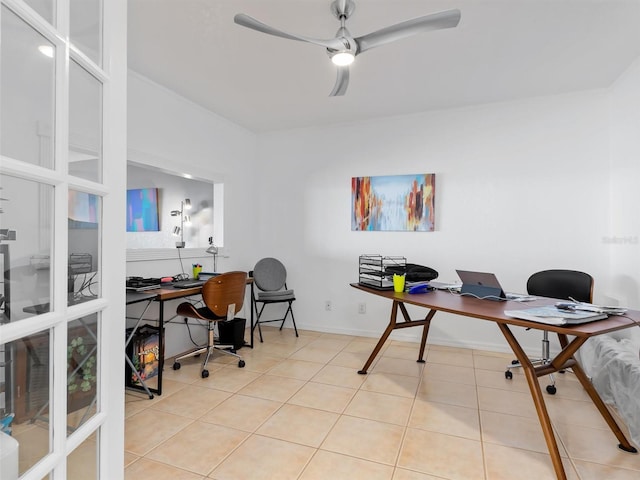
pixel 232 332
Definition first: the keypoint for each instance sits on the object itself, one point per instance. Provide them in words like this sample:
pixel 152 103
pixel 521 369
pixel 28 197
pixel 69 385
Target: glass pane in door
pixel 82 370
pixel 25 401
pixel 26 239
pixel 85 124
pixel 86 31
pixel 27 70
pixel 44 8
pixel 82 464
pixel 85 214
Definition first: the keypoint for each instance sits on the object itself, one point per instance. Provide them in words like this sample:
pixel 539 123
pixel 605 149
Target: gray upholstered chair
pixel 220 294
pixel 563 285
pixel 270 280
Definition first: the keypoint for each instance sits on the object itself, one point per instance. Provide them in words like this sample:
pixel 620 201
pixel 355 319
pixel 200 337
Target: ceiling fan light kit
pixel 344 47
pixel 343 59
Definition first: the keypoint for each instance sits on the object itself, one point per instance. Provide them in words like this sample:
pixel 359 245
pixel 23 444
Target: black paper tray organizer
pixel 372 270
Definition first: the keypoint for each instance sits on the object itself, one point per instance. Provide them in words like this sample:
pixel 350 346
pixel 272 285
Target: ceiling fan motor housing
pixel 342 8
pixel 350 45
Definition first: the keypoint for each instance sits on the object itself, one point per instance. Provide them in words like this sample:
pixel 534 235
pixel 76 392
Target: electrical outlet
pixel 327 305
pixel 362 307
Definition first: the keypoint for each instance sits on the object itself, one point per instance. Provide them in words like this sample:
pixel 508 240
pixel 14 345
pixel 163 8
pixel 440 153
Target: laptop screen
pixel 480 284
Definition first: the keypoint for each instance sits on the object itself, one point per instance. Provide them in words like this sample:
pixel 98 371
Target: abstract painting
pixel 393 203
pixel 142 210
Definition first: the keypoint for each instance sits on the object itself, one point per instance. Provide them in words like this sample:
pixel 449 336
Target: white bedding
pixel 614 367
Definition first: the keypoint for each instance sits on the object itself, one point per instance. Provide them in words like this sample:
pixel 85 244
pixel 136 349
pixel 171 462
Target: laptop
pixel 481 285
pixel 189 283
pixel 139 284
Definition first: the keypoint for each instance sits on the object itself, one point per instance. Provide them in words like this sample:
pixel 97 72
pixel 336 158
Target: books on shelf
pixel 552 315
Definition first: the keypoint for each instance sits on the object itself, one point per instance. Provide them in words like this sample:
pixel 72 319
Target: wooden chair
pixel 223 296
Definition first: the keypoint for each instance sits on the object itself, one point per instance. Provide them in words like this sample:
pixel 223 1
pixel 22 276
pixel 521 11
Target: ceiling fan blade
pixel 342 82
pixel 436 21
pixel 252 23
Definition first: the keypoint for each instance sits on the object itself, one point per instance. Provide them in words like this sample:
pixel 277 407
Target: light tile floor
pixel 299 410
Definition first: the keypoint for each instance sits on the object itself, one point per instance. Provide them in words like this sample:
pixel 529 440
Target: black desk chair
pixel 270 277
pixel 561 284
pixel 220 294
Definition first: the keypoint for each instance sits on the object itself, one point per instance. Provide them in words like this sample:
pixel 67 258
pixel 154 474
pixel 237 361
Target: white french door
pixel 62 238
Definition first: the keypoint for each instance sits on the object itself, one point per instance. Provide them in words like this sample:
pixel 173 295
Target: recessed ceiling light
pixel 46 50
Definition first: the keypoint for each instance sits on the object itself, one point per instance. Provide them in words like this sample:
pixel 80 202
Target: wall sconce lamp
pixel 184 220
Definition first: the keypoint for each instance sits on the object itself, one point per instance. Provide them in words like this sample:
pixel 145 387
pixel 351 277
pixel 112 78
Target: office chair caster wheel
pixel 514 362
pixel 551 389
pixel 241 364
pixel 176 365
pixel 204 374
pixel 508 374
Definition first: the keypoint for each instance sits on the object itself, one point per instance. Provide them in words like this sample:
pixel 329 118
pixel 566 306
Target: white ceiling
pixel 501 50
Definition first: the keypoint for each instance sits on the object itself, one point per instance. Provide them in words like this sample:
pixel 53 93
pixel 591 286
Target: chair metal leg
pixel 543 360
pixel 257 324
pixel 193 353
pixel 293 320
pixel 289 310
pixel 207 350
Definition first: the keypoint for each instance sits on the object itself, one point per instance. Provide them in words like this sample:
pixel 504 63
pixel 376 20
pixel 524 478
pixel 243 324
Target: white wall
pixel 624 236
pixel 166 131
pixel 169 132
pixel 520 186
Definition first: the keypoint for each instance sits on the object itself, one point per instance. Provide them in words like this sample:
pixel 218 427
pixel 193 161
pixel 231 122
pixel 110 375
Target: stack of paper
pixel 590 307
pixel 552 315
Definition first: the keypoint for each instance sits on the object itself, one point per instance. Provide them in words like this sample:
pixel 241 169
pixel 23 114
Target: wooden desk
pixel 162 295
pixel 494 312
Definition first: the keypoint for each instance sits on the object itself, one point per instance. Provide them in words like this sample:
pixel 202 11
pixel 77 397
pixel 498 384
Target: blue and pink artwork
pixel 393 203
pixel 142 210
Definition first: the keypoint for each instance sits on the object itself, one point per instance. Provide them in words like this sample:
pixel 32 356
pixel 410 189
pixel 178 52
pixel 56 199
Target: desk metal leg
pixel 393 325
pixel 160 345
pixel 538 400
pixel 128 360
pixel 425 329
pixel 383 338
pixel 253 305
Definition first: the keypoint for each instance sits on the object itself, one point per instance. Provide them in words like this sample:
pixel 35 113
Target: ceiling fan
pixel 343 48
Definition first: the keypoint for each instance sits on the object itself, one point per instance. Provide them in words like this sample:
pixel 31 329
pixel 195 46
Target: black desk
pixel 163 295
